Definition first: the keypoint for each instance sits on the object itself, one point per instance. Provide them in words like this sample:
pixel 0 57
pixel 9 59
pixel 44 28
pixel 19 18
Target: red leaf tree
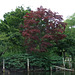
pixel 41 29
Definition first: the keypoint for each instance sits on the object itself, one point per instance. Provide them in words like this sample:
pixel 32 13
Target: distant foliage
pixel 42 28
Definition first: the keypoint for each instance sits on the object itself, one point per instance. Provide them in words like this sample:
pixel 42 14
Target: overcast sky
pixel 63 7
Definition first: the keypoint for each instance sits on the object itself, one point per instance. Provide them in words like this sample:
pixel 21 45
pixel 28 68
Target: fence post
pixel 63 62
pixel 3 65
pixel 27 64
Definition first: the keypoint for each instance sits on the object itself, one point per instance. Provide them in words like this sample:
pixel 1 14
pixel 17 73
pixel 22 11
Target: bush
pixel 19 61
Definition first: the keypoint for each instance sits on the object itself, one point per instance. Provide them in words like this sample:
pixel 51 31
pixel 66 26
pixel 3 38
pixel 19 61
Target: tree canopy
pixel 41 31
pixel 70 31
pixel 9 30
pixel 42 28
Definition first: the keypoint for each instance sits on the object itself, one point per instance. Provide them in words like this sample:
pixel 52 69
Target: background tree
pixel 67 46
pixel 9 29
pixel 70 31
pixel 70 39
pixel 71 21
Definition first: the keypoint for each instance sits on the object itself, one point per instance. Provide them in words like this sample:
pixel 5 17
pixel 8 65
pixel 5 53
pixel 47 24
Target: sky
pixel 63 7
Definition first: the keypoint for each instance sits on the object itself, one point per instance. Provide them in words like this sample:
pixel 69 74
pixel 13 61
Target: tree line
pixel 40 35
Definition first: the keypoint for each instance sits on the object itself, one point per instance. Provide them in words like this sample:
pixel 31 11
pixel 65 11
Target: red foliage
pixel 41 27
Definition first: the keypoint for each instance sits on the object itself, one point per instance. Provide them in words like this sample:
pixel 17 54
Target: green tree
pixel 9 29
pixel 67 46
pixel 70 31
pixel 71 21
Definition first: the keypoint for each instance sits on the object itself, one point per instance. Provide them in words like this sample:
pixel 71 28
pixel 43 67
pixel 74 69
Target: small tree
pixel 42 28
